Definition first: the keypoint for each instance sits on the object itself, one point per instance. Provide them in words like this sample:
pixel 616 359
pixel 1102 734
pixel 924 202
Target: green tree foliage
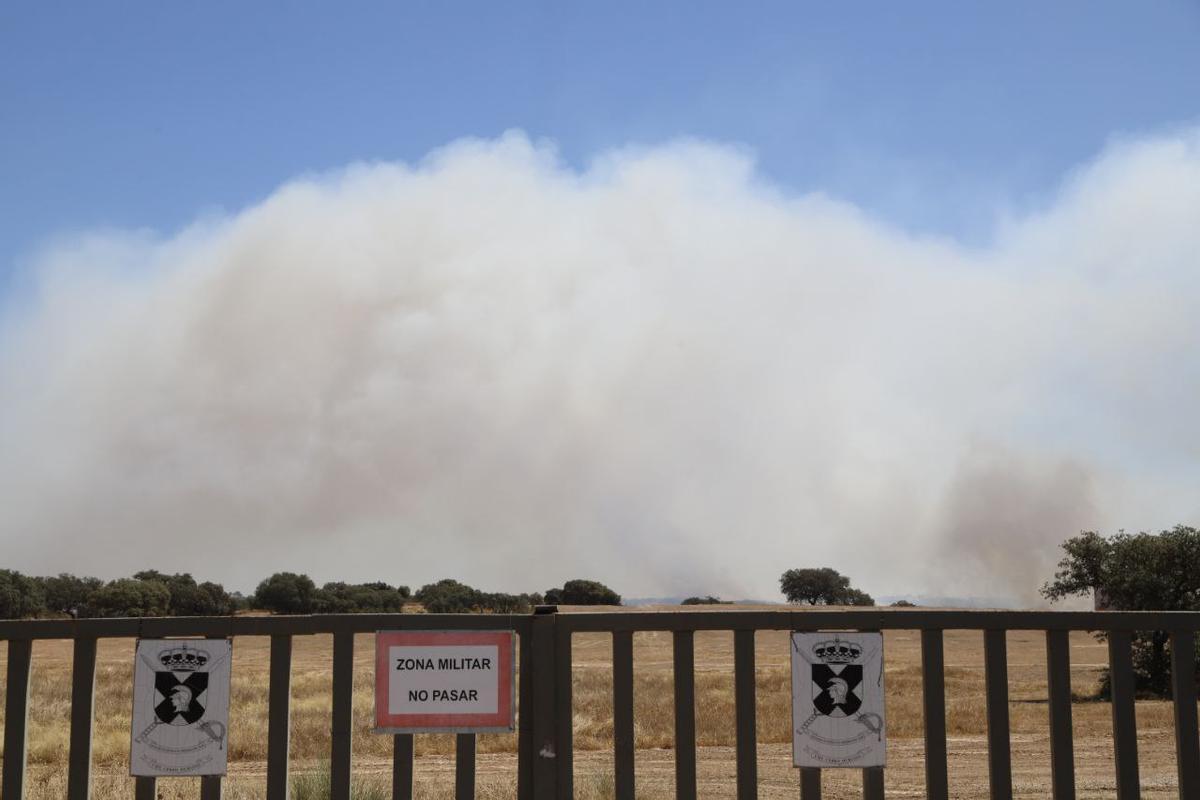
pixel 449 596
pixel 821 586
pixel 20 595
pixel 1135 572
pixel 68 594
pixel 707 600
pixel 359 598
pixel 381 586
pixel 583 593
pixel 501 603
pixel 130 597
pixel 287 593
pixel 188 598
pixel 857 597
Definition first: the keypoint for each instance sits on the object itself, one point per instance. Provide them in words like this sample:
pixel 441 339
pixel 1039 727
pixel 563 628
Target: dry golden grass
pixel 654 721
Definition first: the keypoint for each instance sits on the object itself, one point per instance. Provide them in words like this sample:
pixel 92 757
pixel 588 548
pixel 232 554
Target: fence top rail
pixel 809 619
pixel 297 625
pixel 815 619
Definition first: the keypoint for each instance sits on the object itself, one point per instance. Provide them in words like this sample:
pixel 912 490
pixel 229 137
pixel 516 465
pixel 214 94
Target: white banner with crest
pixel 180 707
pixel 837 700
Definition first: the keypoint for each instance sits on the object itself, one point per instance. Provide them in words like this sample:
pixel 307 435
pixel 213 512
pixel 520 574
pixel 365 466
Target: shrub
pixel 188 598
pixel 287 593
pixel 129 597
pixel 20 596
pixel 448 596
pixel 357 598
pixel 68 594
pixel 583 593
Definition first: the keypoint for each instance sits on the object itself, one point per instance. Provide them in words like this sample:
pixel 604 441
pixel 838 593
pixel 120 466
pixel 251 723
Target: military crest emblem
pixel 181 707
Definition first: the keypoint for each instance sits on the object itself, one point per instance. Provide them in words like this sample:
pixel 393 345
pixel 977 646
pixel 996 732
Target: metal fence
pixel 544 742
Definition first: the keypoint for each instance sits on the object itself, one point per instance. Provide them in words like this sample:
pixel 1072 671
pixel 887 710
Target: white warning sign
pixel 180 707
pixel 459 681
pixel 837 700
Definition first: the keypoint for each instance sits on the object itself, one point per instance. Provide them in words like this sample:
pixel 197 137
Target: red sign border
pixel 503 721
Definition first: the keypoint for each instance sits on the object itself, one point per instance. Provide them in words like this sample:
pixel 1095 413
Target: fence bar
pixel 279 717
pixel 685 715
pixel 342 725
pixel 995 667
pixel 544 767
pixel 818 619
pixel 1120 666
pixel 16 708
pixel 525 719
pixel 810 783
pixel 808 620
pixel 144 787
pixel 1187 738
pixel 83 691
pixel 934 692
pixel 1062 746
pixel 747 742
pixel 464 766
pixel 210 787
pixel 873 783
pixel 402 766
pixel 622 661
pixel 564 713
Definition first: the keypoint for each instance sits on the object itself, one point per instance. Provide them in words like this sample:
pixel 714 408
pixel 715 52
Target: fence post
pixel 1125 751
pixel 342 723
pixel 210 785
pixel 1183 689
pixel 995 670
pixel 564 737
pixel 933 680
pixel 83 690
pixel 623 739
pixel 16 716
pixel 545 767
pixel 145 787
pixel 1058 683
pixel 525 717
pixel 744 705
pixel 279 716
pixel 685 715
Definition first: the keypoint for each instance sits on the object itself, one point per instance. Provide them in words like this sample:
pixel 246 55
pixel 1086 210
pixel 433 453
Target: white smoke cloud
pixel 662 372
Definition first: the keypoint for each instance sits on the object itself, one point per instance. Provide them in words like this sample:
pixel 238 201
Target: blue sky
pixel 937 116
pixel 912 280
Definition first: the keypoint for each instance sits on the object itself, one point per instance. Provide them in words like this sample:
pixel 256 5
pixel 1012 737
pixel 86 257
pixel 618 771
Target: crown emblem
pixel 183 659
pixel 837 652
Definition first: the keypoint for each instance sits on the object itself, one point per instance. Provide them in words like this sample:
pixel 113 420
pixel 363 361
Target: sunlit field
pixel 654 722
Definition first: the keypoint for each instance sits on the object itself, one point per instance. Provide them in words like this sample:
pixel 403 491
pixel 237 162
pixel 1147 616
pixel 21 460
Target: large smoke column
pixel 661 372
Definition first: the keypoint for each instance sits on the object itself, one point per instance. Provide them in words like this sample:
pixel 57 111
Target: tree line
pixel 1144 571
pixel 151 593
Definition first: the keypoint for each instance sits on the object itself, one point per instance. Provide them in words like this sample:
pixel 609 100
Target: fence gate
pixel 544 741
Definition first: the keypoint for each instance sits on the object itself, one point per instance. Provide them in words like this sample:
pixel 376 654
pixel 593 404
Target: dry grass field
pixel 966 722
